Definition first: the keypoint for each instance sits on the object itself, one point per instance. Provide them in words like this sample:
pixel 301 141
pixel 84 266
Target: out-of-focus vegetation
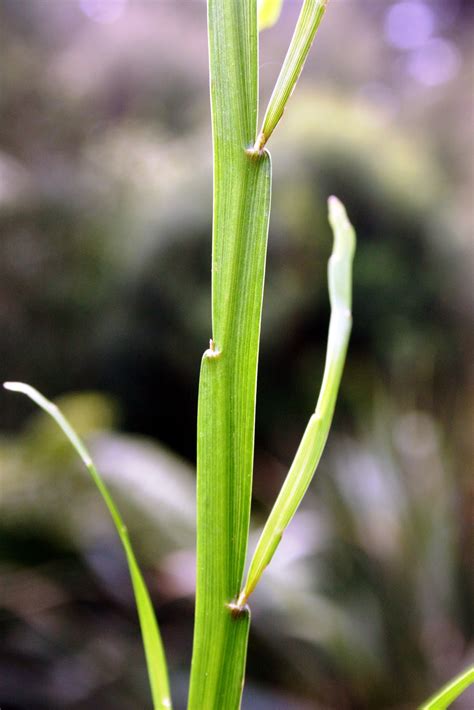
pixel 105 201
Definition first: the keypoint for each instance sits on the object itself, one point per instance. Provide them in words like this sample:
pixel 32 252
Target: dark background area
pixel 105 208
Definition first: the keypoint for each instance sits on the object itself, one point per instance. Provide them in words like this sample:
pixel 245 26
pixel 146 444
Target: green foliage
pixel 226 410
pixel 226 413
pixel 449 693
pixel 309 20
pixel 227 391
pixel 315 436
pixel 156 662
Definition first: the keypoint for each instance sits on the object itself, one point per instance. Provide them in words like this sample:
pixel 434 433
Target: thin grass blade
pixel 448 694
pixel 154 652
pixel 307 25
pixel 317 430
pixel 227 388
pixel 268 13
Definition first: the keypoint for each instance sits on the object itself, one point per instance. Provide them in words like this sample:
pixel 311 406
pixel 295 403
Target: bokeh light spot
pixel 435 63
pixel 409 24
pixel 103 11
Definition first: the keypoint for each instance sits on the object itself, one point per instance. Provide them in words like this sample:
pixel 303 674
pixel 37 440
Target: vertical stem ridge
pixel 227 390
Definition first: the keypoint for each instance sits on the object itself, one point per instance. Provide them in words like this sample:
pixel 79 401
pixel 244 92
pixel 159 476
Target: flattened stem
pixel 227 388
pixel 314 438
pixel 226 418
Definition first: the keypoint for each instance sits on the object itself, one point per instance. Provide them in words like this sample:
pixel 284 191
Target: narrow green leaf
pixel 448 694
pixel 227 389
pixel 308 22
pixel 268 13
pixel 314 439
pixel 156 662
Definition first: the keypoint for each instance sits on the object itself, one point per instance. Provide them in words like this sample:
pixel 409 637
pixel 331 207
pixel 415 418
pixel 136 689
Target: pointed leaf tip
pixel 344 234
pixel 12 386
pixel 337 211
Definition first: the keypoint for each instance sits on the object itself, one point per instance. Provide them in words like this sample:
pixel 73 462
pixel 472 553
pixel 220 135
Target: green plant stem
pixel 317 430
pixel 448 694
pixel 227 390
pixel 307 25
pixel 155 657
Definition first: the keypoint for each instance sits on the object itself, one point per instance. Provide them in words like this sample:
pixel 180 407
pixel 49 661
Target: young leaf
pixel 155 657
pixel 227 388
pixel 314 439
pixel 308 22
pixel 268 13
pixel 448 694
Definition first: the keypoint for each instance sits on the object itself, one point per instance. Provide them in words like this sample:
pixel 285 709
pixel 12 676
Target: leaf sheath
pixel 227 390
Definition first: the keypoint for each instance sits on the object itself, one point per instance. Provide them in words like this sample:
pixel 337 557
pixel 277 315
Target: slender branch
pixel 307 25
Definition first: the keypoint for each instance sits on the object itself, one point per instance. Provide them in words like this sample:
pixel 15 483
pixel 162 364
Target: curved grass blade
pixel 306 27
pixel 155 657
pixel 448 694
pixel 314 438
pixel 268 13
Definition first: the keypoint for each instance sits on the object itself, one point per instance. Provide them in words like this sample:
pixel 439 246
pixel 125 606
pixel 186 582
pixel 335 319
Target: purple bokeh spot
pixel 409 24
pixel 435 63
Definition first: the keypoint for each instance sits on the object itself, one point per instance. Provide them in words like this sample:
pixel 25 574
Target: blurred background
pixel 105 205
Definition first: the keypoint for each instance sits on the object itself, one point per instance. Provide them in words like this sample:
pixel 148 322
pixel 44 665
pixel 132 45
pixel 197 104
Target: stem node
pixel 238 609
pixel 258 148
pixel 213 351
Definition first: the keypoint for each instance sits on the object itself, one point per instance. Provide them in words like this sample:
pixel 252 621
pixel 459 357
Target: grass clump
pixel 228 379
